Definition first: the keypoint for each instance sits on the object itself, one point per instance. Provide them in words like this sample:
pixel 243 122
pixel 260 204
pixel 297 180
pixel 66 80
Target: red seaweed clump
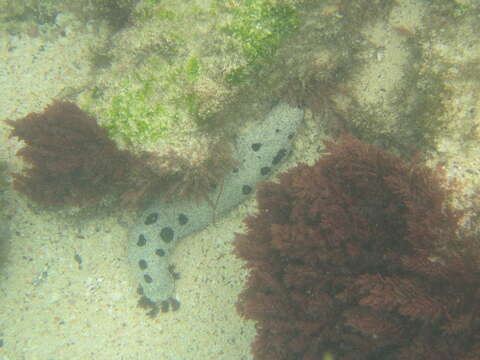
pixel 360 257
pixel 73 161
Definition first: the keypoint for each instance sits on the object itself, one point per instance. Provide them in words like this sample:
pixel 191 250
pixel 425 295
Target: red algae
pixel 359 257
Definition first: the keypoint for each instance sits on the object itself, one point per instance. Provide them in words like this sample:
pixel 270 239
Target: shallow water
pixel 401 76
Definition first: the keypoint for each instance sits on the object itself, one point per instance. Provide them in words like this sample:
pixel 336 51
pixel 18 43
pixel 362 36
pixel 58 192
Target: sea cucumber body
pixel 153 238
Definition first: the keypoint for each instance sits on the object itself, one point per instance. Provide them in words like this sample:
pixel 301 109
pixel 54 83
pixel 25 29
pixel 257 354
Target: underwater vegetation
pixel 115 13
pixel 182 179
pixel 17 16
pixel 179 79
pixel 260 27
pixel 360 257
pixel 73 161
pixel 132 117
pixel 173 79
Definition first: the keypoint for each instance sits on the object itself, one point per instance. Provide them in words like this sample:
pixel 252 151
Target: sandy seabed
pixel 53 307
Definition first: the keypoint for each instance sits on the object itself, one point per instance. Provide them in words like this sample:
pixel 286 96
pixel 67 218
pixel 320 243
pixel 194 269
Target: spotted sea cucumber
pixel 153 238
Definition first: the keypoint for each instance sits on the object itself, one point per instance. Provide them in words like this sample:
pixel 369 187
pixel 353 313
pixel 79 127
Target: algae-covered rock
pixel 177 68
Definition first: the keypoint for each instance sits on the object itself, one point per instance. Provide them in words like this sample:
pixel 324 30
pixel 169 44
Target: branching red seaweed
pixel 360 257
pixel 73 161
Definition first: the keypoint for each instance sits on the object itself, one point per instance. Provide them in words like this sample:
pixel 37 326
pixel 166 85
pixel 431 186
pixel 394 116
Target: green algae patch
pixel 179 66
pixel 133 116
pixel 260 27
pixel 138 115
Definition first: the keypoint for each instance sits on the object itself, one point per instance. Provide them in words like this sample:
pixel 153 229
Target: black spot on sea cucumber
pixel 160 252
pixel 277 130
pixel 167 234
pixel 182 219
pixel 151 219
pixel 168 304
pixel 164 306
pixel 256 146
pixel 280 155
pixel 148 278
pixel 175 304
pixel 264 170
pixel 141 240
pixel 246 189
pixel 146 303
pixel 142 264
pixel 290 136
pixel 235 170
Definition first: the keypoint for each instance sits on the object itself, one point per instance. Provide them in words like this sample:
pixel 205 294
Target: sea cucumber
pixel 152 239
